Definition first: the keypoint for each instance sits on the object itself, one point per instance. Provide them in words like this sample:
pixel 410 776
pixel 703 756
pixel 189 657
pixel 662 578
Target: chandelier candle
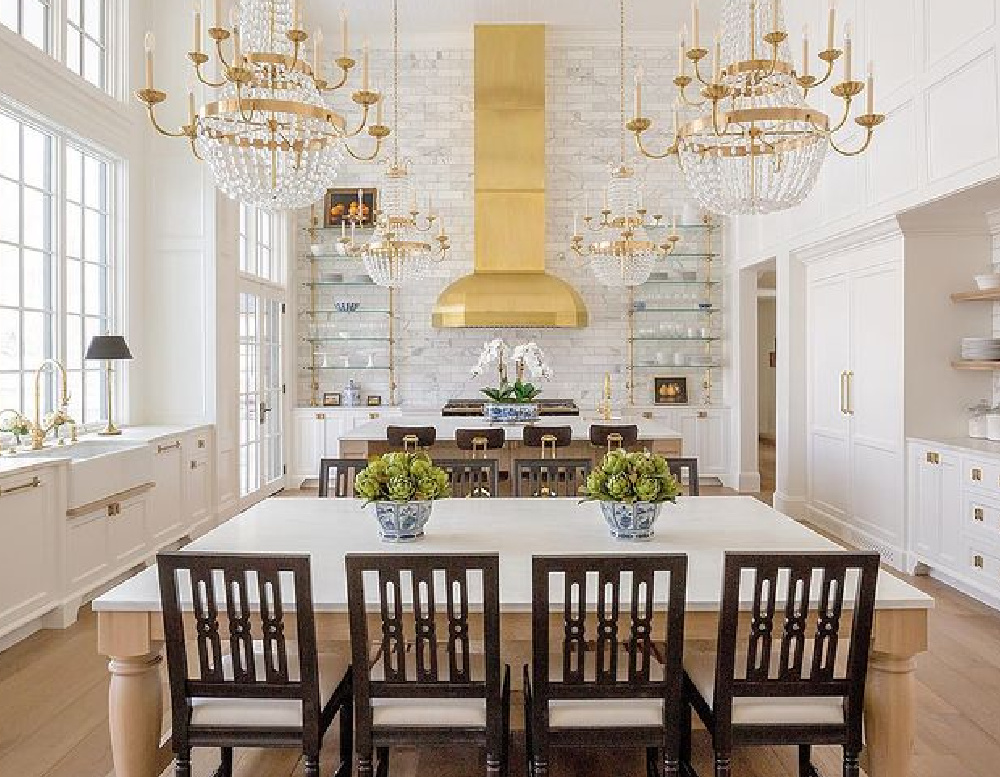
pixel 197 28
pixel 150 44
pixel 343 32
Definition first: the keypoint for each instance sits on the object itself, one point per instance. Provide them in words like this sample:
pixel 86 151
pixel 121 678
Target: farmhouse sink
pixel 99 468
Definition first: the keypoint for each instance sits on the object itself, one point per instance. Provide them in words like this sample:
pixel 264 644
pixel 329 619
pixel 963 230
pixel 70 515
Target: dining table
pixel 130 627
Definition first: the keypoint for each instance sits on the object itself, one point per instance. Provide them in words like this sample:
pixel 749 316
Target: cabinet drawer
pixel 981 474
pixel 87 539
pixel 982 518
pixel 984 566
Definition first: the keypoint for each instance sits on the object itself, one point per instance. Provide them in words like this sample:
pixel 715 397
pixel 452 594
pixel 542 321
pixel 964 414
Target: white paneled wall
pixel 437 134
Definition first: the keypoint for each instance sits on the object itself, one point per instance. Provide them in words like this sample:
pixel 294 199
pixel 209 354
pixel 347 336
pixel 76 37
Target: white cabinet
pixel 705 434
pixel 935 505
pixel 317 433
pixel 856 462
pixel 198 497
pixel 166 513
pixel 126 526
pixel 29 577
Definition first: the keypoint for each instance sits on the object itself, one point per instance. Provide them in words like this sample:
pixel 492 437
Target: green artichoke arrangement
pixel 402 477
pixel 632 477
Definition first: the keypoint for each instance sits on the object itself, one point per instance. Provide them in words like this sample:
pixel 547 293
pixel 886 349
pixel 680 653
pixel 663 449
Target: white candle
pixel 716 59
pixel 831 24
pixel 441 230
pixel 318 54
pixel 638 92
pixel 805 50
pixel 848 47
pixel 378 105
pixel 237 48
pixel 197 28
pixel 343 228
pixel 343 29
pixel 297 15
pixel 870 106
pixel 218 13
pixel 676 122
pixel 364 68
pixel 150 44
pixel 430 204
pixel 361 204
pixel 695 26
pixel 576 223
pixel 682 63
pixel 191 110
pixel 586 205
pixel 774 16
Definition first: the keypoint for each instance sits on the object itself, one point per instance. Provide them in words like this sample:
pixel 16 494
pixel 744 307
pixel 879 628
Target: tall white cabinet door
pixel 875 400
pixel 925 499
pixel 829 311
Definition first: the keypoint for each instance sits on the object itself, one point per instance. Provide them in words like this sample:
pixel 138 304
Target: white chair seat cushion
pixel 775 710
pixel 458 713
pixel 266 713
pixel 605 713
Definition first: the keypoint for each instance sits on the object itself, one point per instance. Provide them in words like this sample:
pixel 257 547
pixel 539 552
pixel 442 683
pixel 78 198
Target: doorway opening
pixel 767 373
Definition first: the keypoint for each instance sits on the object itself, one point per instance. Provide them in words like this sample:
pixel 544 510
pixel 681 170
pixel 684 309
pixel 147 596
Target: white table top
pixel 702 527
pixel 374 431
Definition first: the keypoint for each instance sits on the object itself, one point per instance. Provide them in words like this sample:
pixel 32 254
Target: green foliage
pixel 516 393
pixel 632 477
pixel 402 477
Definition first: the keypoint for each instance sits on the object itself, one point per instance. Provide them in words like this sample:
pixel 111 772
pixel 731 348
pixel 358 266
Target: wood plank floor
pixel 53 714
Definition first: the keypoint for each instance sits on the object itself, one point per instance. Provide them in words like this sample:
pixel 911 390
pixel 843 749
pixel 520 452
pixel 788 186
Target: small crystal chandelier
pixel 757 146
pixel 269 137
pixel 398 253
pixel 623 253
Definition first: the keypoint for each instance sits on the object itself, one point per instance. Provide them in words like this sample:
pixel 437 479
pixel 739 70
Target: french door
pixel 262 464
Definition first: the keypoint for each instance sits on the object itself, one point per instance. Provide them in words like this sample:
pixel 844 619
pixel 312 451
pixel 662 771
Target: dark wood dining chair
pixel 608 437
pixel 342 472
pixel 685 470
pixel 772 683
pixel 550 477
pixel 266 688
pixel 478 441
pixel 549 438
pixel 471 478
pixel 614 677
pixel 425 684
pixel 410 438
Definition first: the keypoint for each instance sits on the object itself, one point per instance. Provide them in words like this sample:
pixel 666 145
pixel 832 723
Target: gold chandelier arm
pixel 843 119
pixel 346 72
pixel 869 134
pixel 222 57
pixel 830 57
pixel 194 149
pixel 364 123
pixel 362 158
pixel 651 154
pixel 697 72
pixel 688 102
pixel 187 131
pixel 205 81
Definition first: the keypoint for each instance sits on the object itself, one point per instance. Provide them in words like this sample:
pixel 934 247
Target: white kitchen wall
pixel 437 135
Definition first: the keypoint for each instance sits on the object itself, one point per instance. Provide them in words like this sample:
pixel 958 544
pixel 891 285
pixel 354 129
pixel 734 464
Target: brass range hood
pixel 509 286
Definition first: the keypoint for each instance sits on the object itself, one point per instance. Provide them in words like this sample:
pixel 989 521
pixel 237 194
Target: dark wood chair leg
pixel 805 761
pixel 529 749
pixel 852 765
pixel 182 765
pixel 686 714
pixel 382 767
pixel 312 765
pixel 365 768
pixel 226 767
pixel 540 767
pixel 652 756
pixel 346 739
pixel 723 765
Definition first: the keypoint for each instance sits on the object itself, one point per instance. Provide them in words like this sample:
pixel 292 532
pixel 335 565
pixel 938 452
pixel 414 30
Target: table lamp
pixel 109 348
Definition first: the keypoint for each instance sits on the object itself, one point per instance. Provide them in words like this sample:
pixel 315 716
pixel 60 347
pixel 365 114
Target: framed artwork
pixel 350 206
pixel 670 391
pixel 332 399
pixel 374 400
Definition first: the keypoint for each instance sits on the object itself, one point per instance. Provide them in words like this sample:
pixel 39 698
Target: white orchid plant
pixel 527 357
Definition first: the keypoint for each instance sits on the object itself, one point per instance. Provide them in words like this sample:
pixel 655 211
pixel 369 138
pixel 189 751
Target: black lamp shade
pixel 108 348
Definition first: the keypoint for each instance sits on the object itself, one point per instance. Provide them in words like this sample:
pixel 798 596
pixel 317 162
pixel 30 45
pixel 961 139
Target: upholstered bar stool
pixel 411 438
pixel 548 438
pixel 478 441
pixel 611 437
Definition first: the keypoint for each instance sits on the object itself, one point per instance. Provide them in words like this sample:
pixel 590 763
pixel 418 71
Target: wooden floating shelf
pixel 987 295
pixel 973 364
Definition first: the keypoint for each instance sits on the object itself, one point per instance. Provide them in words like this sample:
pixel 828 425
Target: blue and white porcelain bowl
pixel 631 521
pixel 402 521
pixel 502 413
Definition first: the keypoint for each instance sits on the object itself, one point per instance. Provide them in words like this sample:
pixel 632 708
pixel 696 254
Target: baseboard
pixel 748 483
pixel 792 506
pixel 892 555
pixel 965 586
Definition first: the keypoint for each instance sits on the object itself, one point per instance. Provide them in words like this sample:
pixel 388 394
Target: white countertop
pixel 327 529
pixel 372 431
pixel 962 443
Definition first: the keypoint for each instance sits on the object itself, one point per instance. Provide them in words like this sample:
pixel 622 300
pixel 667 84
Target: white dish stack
pixel 981 348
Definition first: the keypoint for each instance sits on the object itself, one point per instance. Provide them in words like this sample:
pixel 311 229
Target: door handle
pixel 264 410
pixel 843 393
pixel 850 392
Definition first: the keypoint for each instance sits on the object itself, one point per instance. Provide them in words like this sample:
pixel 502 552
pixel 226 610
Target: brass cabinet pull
pixel 202 444
pixel 374 416
pixel 933 458
pixel 977 474
pixel 321 416
pixel 702 414
pixel 977 561
pixel 33 483
pixel 850 392
pixel 647 414
pixel 843 393
pixel 195 464
pixel 114 509
pixel 978 514
pixel 176 444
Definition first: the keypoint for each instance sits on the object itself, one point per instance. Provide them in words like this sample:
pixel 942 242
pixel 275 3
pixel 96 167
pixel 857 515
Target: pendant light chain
pixel 395 80
pixel 621 86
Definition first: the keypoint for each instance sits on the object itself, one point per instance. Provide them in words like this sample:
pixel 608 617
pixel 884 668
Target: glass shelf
pixel 318 284
pixel 323 255
pixel 661 367
pixel 348 339
pixel 687 255
pixel 347 369
pixel 712 309
pixel 675 282
pixel 667 338
pixel 334 312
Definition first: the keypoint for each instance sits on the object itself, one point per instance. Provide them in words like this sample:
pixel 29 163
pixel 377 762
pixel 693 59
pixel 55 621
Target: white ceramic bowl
pixel 988 282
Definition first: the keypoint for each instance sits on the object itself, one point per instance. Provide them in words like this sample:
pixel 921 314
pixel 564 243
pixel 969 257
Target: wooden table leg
pixel 135 711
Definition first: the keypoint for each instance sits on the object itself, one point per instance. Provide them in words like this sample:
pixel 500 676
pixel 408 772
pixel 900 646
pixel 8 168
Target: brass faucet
pixel 605 407
pixel 59 417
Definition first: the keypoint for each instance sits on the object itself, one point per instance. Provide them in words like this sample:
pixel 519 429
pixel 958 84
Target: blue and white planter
pixel 631 521
pixel 503 413
pixel 402 521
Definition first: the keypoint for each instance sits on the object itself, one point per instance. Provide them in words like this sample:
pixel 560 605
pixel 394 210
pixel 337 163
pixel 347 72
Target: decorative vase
pixel 510 413
pixel 402 521
pixel 631 521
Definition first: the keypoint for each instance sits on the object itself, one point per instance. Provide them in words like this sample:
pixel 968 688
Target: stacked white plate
pixel 981 348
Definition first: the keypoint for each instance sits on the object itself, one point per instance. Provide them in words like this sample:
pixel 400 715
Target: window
pixel 86 40
pixel 56 265
pixel 258 256
pixel 28 18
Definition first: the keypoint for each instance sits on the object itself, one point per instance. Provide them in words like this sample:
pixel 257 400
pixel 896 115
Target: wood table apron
pixel 133 641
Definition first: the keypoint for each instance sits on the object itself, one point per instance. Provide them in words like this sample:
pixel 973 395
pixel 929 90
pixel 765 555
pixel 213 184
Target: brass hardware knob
pixel 176 444
pixel 114 509
pixel 702 414
pixel 978 514
pixel 194 465
pixel 647 414
pixel 977 561
pixel 321 416
pixel 202 444
pixel 977 474
pixel 933 458
pixel 374 416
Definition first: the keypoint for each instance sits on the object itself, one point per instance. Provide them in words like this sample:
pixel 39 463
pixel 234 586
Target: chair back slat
pixel 550 477
pixel 343 472
pixel 471 478
pixel 799 605
pixel 619 617
pixel 685 469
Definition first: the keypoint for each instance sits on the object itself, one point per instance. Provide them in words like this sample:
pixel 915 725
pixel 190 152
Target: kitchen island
pixel 369 439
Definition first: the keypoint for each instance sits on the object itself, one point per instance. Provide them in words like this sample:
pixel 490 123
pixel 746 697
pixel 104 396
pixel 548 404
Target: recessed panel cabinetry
pixel 954 512
pixel 705 432
pixel 318 432
pixel 167 508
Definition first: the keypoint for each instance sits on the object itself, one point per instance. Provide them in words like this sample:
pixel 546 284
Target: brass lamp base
pixel 110 431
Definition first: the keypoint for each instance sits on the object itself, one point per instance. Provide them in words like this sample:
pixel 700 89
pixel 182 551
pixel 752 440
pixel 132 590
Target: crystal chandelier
pixel 756 145
pixel 269 137
pixel 623 252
